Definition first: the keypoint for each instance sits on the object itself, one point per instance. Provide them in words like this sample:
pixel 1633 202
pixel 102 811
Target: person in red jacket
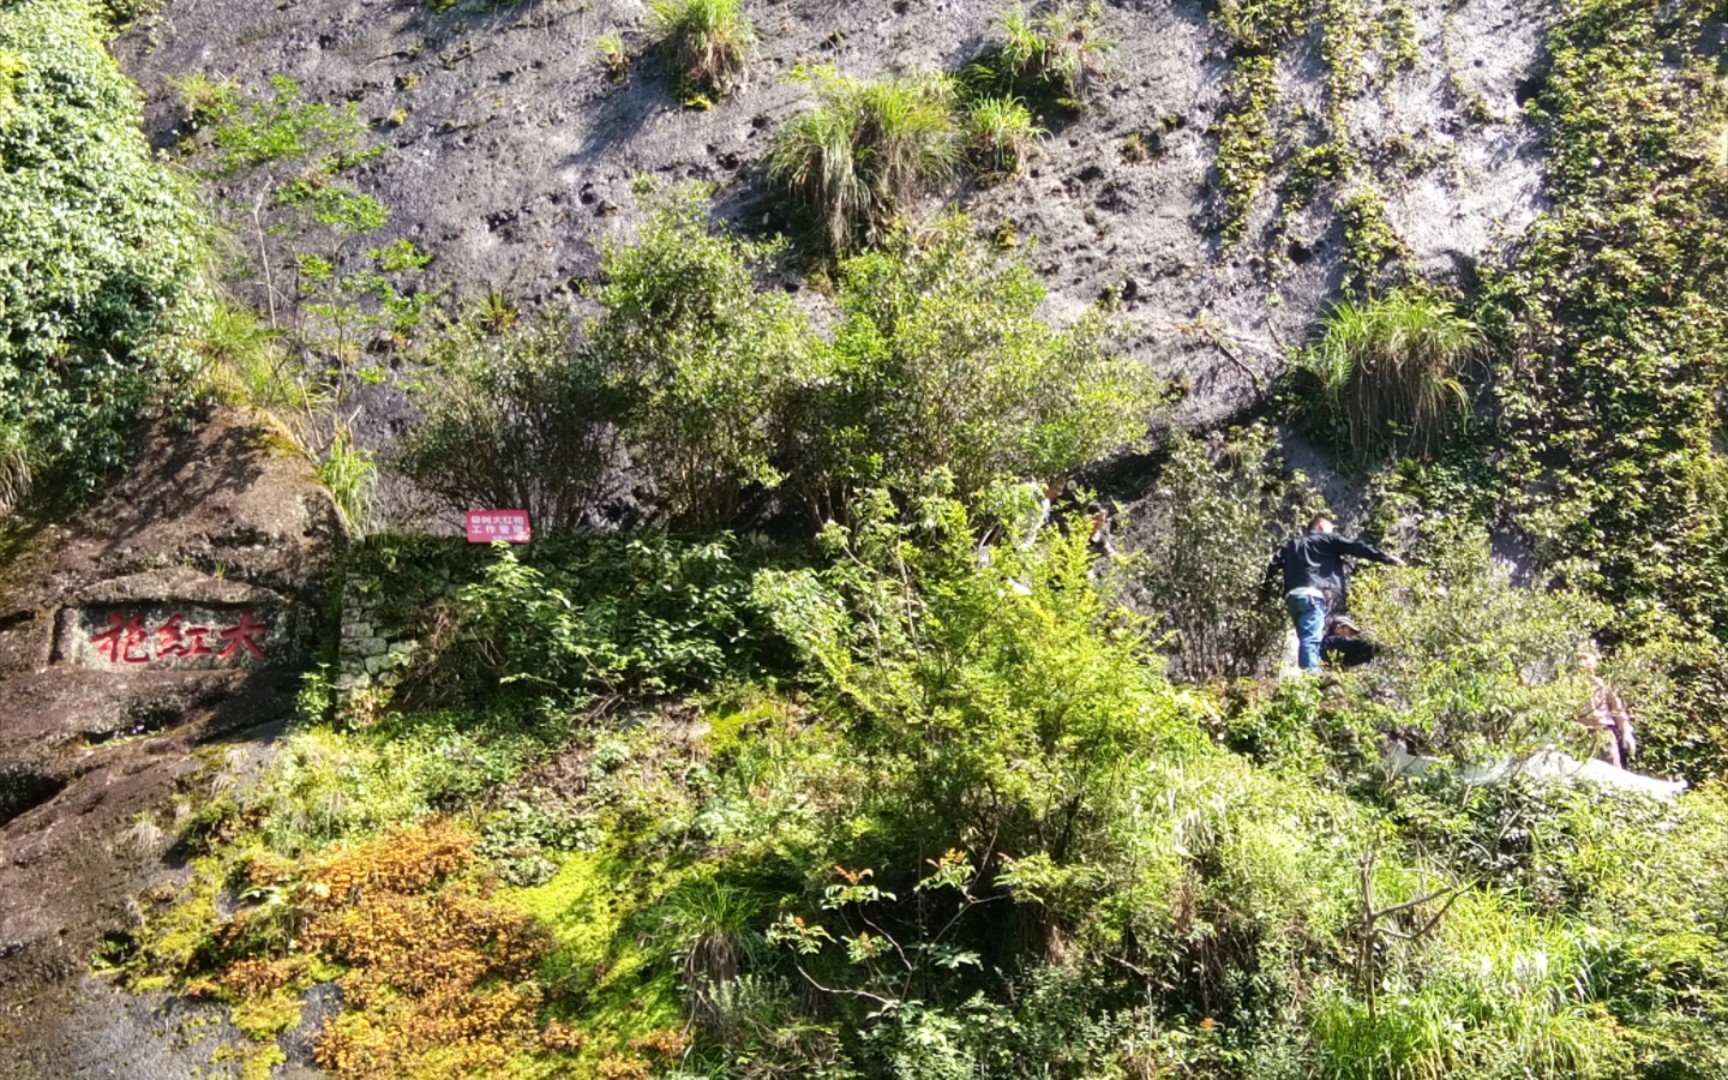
pixel 1312 566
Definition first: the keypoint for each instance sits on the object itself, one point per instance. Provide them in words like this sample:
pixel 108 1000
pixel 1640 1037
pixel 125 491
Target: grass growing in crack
pixel 1053 57
pixel 1000 134
pixel 1396 362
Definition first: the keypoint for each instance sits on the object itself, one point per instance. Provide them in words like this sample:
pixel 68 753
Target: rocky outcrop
pixel 511 156
pixel 174 615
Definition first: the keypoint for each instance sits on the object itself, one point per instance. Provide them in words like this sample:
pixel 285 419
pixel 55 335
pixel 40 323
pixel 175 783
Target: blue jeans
pixel 1309 615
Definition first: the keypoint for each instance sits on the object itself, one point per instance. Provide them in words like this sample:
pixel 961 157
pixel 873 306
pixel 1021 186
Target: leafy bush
pixel 100 247
pixel 865 152
pixel 1467 656
pixel 518 418
pixel 1052 56
pixel 610 615
pixel 1220 509
pixel 705 43
pixel 999 703
pixel 1392 368
pixel 696 352
pixel 940 362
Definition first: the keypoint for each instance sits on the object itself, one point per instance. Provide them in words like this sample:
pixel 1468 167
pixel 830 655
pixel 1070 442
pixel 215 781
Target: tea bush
pixel 940 361
pixel 718 390
pixel 515 417
pixel 695 350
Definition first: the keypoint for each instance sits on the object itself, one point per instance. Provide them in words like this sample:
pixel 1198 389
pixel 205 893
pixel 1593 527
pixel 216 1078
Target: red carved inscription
pixel 125 640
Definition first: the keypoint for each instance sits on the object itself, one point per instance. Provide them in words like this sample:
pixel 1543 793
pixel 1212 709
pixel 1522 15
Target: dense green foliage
pixel 699 352
pixel 940 361
pixel 1610 392
pixel 959 823
pixel 100 251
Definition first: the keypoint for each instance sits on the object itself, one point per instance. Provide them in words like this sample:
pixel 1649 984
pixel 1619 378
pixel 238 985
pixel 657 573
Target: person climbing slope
pixel 1314 581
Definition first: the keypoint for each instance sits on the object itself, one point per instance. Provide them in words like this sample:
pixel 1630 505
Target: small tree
pixel 519 418
pixel 697 355
pixel 941 361
pixel 1220 509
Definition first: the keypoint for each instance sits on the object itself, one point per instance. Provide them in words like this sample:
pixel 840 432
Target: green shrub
pixel 1220 509
pixel 519 417
pixel 997 713
pixel 941 362
pixel 100 247
pixel 705 43
pixel 281 128
pixel 606 616
pixel 1392 368
pixel 865 152
pixel 696 352
pixel 1053 56
pixel 1467 656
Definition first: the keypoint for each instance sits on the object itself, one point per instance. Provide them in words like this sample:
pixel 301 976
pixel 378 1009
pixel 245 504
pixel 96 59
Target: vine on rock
pixel 1608 395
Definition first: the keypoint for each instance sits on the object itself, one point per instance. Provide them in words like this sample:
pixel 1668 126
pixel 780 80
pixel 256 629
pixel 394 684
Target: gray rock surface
pixel 516 156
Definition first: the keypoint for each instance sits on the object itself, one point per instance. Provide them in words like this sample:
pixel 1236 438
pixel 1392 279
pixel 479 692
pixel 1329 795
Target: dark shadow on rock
pixel 621 111
pixel 23 787
pixel 192 472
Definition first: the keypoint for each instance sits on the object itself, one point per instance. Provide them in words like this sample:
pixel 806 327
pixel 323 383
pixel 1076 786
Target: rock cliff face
pixel 148 649
pixel 510 155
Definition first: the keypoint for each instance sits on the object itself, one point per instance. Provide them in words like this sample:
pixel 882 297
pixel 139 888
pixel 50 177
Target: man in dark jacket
pixel 1313 570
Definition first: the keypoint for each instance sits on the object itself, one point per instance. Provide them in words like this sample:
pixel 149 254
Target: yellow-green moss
pixel 588 907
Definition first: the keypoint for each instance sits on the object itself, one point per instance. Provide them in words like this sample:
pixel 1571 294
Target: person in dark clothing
pixel 1344 645
pixel 1312 566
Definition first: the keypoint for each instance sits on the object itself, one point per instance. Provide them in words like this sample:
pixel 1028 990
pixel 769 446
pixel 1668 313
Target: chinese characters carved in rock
pixel 128 640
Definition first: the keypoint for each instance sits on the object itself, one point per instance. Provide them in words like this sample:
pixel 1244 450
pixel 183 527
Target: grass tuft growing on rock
pixel 1392 368
pixel 866 152
pixel 706 42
